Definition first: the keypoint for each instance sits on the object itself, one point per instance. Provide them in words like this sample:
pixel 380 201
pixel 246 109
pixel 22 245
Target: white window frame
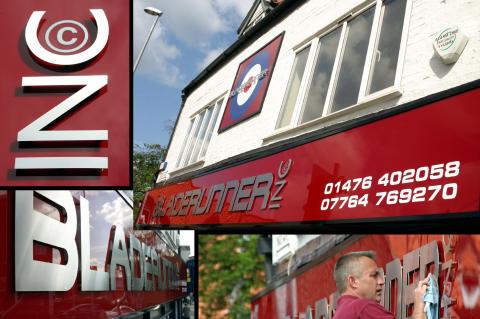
pixel 192 138
pixel 211 126
pixel 190 142
pixel 315 44
pixel 186 141
pixel 303 83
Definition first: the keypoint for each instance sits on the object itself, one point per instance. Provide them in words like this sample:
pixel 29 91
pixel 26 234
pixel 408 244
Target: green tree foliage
pixel 230 272
pixel 146 161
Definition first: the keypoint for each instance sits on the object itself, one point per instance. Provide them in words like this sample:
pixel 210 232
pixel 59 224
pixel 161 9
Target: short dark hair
pixel 345 266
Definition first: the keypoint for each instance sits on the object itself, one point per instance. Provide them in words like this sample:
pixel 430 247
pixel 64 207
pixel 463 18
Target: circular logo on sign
pixel 66 36
pixel 66 39
pixel 250 85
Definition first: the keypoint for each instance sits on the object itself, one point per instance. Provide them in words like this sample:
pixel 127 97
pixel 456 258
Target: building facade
pixel 327 111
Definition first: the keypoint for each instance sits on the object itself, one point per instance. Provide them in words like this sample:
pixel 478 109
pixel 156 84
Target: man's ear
pixel 352 282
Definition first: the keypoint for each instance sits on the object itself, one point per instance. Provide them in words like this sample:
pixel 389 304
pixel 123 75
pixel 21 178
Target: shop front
pixel 417 163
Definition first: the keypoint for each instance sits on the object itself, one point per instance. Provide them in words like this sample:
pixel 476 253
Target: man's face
pixel 369 281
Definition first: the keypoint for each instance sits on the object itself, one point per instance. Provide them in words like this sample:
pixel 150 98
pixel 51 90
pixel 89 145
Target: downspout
pixel 264 245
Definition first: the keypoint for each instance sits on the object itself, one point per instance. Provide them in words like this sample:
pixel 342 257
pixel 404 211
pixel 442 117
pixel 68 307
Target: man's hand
pixel 422 288
pixel 419 294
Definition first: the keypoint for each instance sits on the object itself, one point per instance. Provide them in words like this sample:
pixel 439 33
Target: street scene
pixel 240 159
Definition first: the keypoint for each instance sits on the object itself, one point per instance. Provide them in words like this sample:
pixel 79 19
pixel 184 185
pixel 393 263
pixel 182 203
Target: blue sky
pixel 189 35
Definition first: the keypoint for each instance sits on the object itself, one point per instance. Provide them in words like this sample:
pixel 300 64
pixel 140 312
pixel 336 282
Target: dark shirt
pixel 351 307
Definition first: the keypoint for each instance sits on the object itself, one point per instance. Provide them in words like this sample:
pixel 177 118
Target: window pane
pixel 294 86
pixel 385 60
pixel 182 153
pixel 321 76
pixel 353 61
pixel 210 128
pixel 201 135
pixel 193 140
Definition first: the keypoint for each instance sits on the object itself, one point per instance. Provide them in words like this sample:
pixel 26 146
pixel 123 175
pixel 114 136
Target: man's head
pixel 357 274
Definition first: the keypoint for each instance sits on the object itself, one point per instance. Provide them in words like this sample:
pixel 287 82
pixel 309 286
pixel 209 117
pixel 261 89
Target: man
pixel 361 286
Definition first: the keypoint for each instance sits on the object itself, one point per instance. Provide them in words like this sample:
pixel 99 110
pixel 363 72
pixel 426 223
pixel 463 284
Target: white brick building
pixel 341 66
pixel 420 73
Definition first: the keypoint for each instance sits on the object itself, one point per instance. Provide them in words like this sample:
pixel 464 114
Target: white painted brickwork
pixel 423 72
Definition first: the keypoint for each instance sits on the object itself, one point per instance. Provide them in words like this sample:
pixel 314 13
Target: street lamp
pixel 154 12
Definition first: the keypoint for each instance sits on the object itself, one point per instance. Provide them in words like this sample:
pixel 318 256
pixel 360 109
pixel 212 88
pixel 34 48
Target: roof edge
pixel 248 16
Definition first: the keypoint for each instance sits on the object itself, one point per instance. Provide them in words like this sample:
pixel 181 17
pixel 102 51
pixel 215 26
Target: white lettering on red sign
pixel 58 59
pixel 406 183
pixel 91 84
pixel 35 275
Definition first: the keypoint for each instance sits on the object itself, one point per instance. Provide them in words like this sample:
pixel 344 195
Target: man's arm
pixel 418 303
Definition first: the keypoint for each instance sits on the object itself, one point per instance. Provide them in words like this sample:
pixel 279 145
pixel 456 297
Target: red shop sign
pixel 65 93
pixel 420 162
pixel 310 292
pixel 74 254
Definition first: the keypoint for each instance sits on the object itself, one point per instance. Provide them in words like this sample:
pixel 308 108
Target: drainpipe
pixel 264 245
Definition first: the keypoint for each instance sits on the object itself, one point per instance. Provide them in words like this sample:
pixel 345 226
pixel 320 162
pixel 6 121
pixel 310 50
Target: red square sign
pixel 65 93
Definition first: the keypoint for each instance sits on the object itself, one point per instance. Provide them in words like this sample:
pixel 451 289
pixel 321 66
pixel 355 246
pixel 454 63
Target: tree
pixel 230 273
pixel 146 161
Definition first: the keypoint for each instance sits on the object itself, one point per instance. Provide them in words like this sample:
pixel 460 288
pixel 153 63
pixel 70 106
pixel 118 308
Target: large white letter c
pixel 38 50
